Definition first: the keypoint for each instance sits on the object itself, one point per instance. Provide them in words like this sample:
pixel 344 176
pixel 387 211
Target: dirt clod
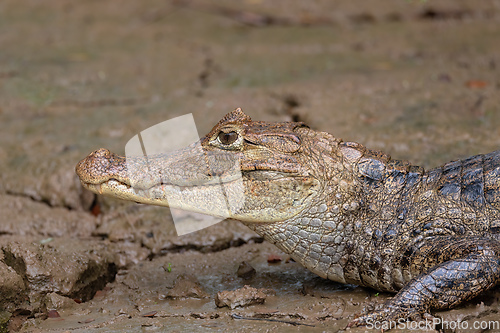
pixel 240 297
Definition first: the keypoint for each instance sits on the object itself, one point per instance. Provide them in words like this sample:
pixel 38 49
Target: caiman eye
pixel 228 138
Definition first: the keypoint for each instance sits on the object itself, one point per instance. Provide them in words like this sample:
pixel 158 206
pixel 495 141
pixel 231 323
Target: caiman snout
pixel 100 166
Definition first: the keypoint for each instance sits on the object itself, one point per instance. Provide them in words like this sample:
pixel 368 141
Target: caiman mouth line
pixel 126 186
pixel 217 181
pixel 117 183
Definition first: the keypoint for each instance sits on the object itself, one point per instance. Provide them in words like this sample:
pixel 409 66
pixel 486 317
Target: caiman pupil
pixel 228 138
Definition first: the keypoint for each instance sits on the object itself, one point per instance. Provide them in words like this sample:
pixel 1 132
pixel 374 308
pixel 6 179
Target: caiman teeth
pixel 141 191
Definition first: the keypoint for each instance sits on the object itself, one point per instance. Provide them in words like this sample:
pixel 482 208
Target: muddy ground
pixel 417 79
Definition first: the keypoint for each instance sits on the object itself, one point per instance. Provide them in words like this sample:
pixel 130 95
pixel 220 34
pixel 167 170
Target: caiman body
pixel 345 212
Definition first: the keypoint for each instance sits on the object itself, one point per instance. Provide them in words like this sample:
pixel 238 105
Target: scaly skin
pixel 345 212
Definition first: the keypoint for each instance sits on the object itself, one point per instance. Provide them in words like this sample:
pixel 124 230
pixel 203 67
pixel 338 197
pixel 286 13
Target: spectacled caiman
pixel 347 213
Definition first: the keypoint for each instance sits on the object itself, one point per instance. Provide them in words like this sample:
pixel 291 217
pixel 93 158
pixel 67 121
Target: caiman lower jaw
pixel 116 189
pixel 184 196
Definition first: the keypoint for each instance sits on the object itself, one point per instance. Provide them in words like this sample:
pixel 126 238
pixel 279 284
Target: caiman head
pixel 273 183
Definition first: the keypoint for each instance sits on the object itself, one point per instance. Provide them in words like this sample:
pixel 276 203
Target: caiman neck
pixel 349 215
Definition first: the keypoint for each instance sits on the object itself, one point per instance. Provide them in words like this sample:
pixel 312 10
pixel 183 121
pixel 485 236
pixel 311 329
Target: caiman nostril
pixel 97 167
pixel 100 153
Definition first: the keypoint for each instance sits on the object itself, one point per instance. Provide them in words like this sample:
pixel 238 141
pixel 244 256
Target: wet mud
pixel 419 80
